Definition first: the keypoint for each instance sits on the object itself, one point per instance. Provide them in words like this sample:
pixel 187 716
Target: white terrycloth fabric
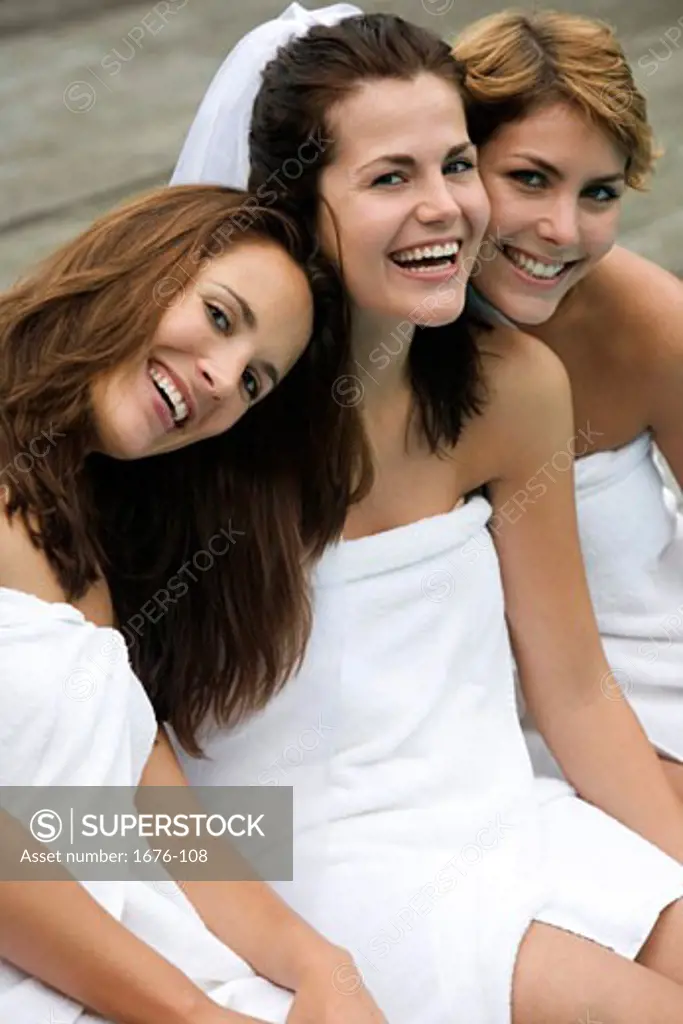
pixel 632 540
pixel 631 531
pixel 73 713
pixel 422 841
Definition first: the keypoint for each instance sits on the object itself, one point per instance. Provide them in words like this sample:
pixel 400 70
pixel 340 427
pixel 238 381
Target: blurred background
pixel 96 97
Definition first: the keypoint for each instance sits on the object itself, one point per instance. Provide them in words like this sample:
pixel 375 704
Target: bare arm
pixel 665 381
pixel 55 930
pixel 567 682
pixel 243 913
pixel 250 918
pixel 649 301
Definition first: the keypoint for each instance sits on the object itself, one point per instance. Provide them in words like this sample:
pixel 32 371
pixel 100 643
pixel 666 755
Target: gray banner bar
pixel 116 833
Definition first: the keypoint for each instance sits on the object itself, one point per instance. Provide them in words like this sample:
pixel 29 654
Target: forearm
pixel 248 916
pixel 57 932
pixel 607 757
pixel 261 928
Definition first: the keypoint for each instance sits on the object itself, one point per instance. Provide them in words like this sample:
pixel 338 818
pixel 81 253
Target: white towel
pixel 632 540
pixel 422 841
pixel 73 713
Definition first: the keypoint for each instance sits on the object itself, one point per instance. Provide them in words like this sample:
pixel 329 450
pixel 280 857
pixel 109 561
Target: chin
pixel 534 312
pixel 531 314
pixel 125 449
pixel 530 310
pixel 443 317
pixel 438 308
pixel 123 454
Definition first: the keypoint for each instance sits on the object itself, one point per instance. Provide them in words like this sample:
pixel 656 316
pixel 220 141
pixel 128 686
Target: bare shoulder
pixel 645 298
pixel 521 372
pixel 529 396
pixel 24 567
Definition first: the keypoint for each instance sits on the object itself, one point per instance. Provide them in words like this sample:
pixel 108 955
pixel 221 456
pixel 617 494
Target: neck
pixel 486 308
pixel 380 347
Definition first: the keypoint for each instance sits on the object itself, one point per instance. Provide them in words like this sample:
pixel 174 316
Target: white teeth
pixel 424 252
pixel 165 384
pixel 534 267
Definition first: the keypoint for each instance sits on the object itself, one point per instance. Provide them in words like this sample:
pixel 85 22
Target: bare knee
pixel 561 977
pixel 663 951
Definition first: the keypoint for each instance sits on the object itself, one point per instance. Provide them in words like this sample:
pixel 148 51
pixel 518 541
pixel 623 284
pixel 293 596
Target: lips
pixel 173 391
pixel 437 253
pixel 539 269
pixel 435 261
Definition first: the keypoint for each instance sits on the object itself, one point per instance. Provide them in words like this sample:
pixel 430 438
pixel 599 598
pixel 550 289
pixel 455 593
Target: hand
pixel 333 992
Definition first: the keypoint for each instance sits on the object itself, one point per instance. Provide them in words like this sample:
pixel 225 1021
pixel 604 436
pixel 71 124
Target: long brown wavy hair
pixel 257 503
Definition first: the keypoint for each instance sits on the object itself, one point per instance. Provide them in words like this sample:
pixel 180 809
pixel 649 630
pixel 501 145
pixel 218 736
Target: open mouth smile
pixel 538 269
pixel 432 259
pixel 177 402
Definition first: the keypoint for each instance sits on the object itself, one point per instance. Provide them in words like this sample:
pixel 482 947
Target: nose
pixel 437 202
pixel 559 224
pixel 220 374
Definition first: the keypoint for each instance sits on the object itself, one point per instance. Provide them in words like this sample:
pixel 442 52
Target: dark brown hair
pixel 517 61
pixel 274 489
pixel 291 119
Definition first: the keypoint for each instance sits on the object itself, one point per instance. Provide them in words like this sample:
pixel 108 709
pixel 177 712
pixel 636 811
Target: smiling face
pixel 406 197
pixel 230 338
pixel 554 181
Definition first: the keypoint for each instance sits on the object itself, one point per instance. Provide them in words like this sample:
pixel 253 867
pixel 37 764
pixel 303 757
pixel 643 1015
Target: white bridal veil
pixel 216 148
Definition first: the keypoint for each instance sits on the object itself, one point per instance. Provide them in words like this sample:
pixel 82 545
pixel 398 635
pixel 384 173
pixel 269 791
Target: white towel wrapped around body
pixel 423 843
pixel 632 541
pixel 631 530
pixel 72 713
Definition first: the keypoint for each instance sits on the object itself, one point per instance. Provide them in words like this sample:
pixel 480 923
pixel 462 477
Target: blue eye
pixel 458 165
pixel 602 194
pixel 219 318
pixel 530 179
pixel 383 178
pixel 251 385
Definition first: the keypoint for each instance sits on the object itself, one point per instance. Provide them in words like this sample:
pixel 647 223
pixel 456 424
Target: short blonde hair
pixel 516 62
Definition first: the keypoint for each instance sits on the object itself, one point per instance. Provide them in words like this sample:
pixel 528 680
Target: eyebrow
pixel 266 367
pixel 245 309
pixel 551 169
pixel 409 162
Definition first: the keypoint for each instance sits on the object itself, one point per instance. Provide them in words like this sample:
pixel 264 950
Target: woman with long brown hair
pixel 126 362
pixel 465 888
pixel 562 132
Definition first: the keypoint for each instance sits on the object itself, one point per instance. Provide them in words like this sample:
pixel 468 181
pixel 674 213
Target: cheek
pixel 179 327
pixel 508 212
pixel 601 233
pixel 477 206
pixel 327 233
